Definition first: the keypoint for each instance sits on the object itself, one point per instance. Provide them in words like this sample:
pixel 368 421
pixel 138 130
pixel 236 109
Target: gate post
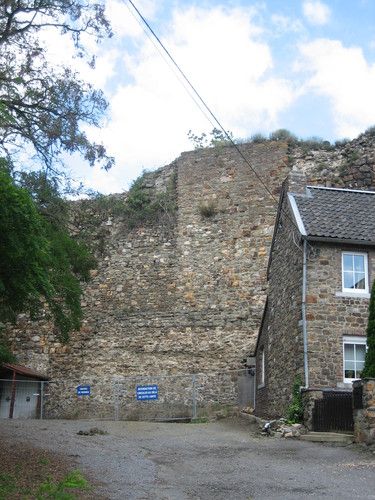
pixel 364 410
pixel 194 396
pixel 41 399
pixel 116 400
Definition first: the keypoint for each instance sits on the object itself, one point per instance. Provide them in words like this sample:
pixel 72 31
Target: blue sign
pixel 83 390
pixel 147 392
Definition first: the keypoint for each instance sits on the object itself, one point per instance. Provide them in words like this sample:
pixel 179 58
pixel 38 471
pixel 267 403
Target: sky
pixel 304 65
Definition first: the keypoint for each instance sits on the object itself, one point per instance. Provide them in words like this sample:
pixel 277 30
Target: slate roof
pixel 337 214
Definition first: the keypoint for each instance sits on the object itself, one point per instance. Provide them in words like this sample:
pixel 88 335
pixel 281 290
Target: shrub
pixel 371 131
pixel 258 138
pixel 282 134
pixel 369 368
pixel 295 409
pixel 208 208
pixel 342 142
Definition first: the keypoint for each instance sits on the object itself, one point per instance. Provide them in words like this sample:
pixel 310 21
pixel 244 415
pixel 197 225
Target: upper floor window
pixel 354 272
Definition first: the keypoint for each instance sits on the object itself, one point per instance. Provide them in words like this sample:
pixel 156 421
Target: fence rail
pixel 136 397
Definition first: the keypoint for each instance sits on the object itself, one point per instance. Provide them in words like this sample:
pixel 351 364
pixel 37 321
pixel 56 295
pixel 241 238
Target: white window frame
pixel 355 290
pixel 350 340
pixel 262 369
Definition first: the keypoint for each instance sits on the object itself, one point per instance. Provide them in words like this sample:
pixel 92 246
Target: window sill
pixel 353 295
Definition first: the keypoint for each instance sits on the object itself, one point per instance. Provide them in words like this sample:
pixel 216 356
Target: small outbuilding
pixel 21 392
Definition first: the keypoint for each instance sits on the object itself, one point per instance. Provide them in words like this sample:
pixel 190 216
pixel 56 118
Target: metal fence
pixel 141 397
pixel 22 398
pixel 175 397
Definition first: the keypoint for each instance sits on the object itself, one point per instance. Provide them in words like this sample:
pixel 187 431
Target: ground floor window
pixel 261 377
pixel 354 357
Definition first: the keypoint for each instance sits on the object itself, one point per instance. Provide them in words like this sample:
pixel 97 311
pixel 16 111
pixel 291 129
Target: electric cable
pixel 208 109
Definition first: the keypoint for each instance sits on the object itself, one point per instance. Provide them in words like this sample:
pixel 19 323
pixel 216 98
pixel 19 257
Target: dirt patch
pixel 24 469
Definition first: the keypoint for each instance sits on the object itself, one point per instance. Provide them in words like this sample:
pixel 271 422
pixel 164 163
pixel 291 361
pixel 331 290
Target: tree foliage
pixel 40 264
pixel 369 368
pixel 43 108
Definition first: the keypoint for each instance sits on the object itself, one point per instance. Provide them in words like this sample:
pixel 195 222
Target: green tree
pixel 369 368
pixel 40 264
pixel 44 108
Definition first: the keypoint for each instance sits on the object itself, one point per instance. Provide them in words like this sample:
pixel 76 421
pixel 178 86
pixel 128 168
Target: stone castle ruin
pixel 182 291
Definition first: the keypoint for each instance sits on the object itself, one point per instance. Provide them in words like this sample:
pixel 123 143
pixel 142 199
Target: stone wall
pixel 186 293
pixel 364 411
pixel 347 165
pixel 182 295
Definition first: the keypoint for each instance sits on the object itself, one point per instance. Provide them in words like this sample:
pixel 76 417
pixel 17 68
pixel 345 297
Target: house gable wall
pixel 281 336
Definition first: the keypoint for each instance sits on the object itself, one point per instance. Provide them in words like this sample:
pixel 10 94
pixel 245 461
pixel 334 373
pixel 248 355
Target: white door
pixel 26 402
pixel 5 397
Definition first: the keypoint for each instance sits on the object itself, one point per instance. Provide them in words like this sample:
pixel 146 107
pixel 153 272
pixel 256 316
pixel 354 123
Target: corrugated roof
pixel 341 214
pixel 23 370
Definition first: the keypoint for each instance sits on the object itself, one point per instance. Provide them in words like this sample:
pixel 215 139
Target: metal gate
pixel 27 396
pixel 334 412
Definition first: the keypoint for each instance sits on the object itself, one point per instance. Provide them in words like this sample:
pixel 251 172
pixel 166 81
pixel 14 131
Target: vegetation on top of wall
pixel 369 368
pixel 215 138
pixel 370 131
pixel 218 138
pixel 295 409
pixel 143 206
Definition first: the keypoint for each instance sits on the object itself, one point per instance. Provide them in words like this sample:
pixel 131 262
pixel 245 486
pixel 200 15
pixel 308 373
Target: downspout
pixel 304 324
pixel 13 395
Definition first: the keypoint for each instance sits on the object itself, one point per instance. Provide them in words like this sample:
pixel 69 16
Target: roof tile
pixel 338 213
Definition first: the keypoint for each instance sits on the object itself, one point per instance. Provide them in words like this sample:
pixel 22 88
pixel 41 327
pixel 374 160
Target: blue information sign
pixel 83 390
pixel 146 392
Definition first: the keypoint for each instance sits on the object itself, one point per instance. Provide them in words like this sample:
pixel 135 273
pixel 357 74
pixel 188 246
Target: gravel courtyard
pixel 221 460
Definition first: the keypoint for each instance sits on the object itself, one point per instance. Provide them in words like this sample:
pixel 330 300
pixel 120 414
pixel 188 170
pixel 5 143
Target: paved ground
pixel 222 460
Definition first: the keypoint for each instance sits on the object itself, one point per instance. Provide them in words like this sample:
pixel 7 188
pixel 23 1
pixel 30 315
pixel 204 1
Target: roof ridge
pixel 341 189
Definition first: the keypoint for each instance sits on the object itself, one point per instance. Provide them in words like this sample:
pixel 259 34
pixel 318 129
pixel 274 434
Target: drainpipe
pixel 304 324
pixel 13 396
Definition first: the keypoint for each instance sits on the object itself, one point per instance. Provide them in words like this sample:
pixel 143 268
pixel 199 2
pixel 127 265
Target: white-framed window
pixel 261 378
pixel 354 350
pixel 354 272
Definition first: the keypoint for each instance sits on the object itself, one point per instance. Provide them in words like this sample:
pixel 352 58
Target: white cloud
pixel 124 20
pixel 221 53
pixel 285 24
pixel 344 76
pixel 316 12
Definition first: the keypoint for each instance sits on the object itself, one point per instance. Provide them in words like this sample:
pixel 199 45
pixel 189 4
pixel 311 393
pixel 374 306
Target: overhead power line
pixel 201 103
pixel 200 99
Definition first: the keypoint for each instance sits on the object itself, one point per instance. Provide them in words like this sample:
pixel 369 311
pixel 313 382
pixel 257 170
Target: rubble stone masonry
pixel 364 411
pixel 184 295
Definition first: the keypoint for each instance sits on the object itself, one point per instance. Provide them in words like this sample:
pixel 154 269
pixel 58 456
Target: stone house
pixel 320 271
